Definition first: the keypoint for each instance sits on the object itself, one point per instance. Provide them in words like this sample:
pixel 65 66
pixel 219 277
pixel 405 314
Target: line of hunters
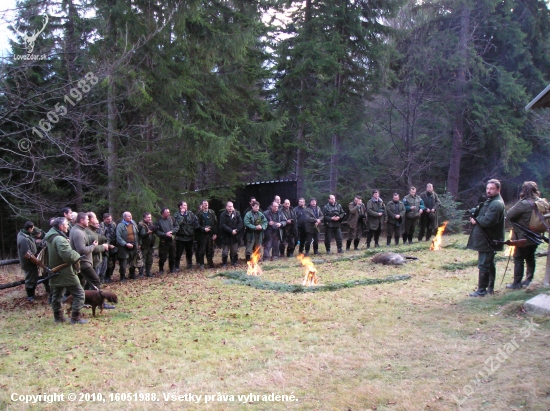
pixel 100 245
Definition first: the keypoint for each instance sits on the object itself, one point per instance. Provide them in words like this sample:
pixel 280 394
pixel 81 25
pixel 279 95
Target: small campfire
pixel 253 266
pixel 310 277
pixel 436 242
pixel 510 249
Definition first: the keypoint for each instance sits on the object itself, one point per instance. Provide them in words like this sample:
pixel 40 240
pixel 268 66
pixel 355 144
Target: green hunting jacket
pixel 520 213
pixel 393 209
pixel 59 252
pixel 410 201
pixel 490 216
pixel 25 242
pixel 80 242
pixel 251 220
pixel 97 254
pixel 373 209
pixel 355 211
pixel 330 211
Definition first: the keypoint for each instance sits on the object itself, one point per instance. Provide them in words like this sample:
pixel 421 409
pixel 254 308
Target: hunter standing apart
pixel 520 214
pixel 487 237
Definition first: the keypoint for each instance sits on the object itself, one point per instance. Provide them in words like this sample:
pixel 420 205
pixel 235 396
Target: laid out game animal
pixel 94 298
pixel 391 259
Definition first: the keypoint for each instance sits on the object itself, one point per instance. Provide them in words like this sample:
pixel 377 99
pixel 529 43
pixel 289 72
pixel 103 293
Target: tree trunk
pixel 111 143
pixel 458 128
pixel 300 160
pixel 335 141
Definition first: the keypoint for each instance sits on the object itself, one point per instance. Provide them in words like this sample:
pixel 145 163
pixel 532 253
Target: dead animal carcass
pixel 391 259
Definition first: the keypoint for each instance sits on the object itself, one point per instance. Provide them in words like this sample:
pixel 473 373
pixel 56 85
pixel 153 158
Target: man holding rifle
pixel 520 216
pixel 487 237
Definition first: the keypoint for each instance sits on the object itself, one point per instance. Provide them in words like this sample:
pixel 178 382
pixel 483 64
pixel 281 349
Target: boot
pixel 30 294
pixel 210 262
pixel 529 274
pixel 107 279
pixel 161 269
pixel 189 263
pixel 224 261
pixel 492 277
pixel 75 318
pixel 132 273
pixel 234 260
pixel 148 272
pixel 518 276
pixel 396 239
pixel 122 277
pixel 356 244
pixel 388 241
pixel 141 272
pixel 483 282
pixel 348 245
pixel 59 317
pixel 177 267
pixel 404 238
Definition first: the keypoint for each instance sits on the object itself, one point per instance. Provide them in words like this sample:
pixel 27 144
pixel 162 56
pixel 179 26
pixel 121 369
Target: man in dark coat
pixel 414 207
pixel 314 218
pixel 59 252
pixel 274 231
pixel 520 214
pixel 376 211
pixel 395 214
pixel 206 234
pixel 428 219
pixel 333 215
pixel 290 230
pixel 108 228
pixel 166 227
pixel 187 224
pixel 127 237
pixel 25 242
pixel 146 230
pixel 488 227
pixel 357 217
pixel 301 218
pixel 231 225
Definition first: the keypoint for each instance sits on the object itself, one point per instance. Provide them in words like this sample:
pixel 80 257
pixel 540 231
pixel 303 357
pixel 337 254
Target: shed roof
pixel 541 101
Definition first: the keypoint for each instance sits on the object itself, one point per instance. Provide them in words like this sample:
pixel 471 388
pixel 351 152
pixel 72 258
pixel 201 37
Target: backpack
pixel 540 216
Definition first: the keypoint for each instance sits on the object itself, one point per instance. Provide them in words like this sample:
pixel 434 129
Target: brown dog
pixel 94 298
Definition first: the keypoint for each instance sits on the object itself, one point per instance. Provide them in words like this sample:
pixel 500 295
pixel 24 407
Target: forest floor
pixel 419 343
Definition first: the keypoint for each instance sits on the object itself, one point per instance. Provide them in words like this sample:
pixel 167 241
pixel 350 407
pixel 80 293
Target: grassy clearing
pixel 408 345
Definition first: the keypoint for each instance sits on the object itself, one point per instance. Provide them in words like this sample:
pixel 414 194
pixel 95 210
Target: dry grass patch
pixel 410 345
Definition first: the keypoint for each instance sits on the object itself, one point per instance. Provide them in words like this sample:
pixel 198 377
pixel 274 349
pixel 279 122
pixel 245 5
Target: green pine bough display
pixel 240 277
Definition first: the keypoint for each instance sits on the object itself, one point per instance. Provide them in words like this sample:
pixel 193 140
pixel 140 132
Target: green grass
pixel 404 345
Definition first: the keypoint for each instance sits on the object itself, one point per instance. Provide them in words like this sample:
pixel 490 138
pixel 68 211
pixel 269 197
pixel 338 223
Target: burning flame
pixel 436 242
pixel 310 277
pixel 510 249
pixel 253 266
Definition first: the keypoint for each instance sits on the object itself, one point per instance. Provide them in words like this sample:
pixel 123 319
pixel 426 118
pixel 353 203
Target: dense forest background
pixel 135 102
